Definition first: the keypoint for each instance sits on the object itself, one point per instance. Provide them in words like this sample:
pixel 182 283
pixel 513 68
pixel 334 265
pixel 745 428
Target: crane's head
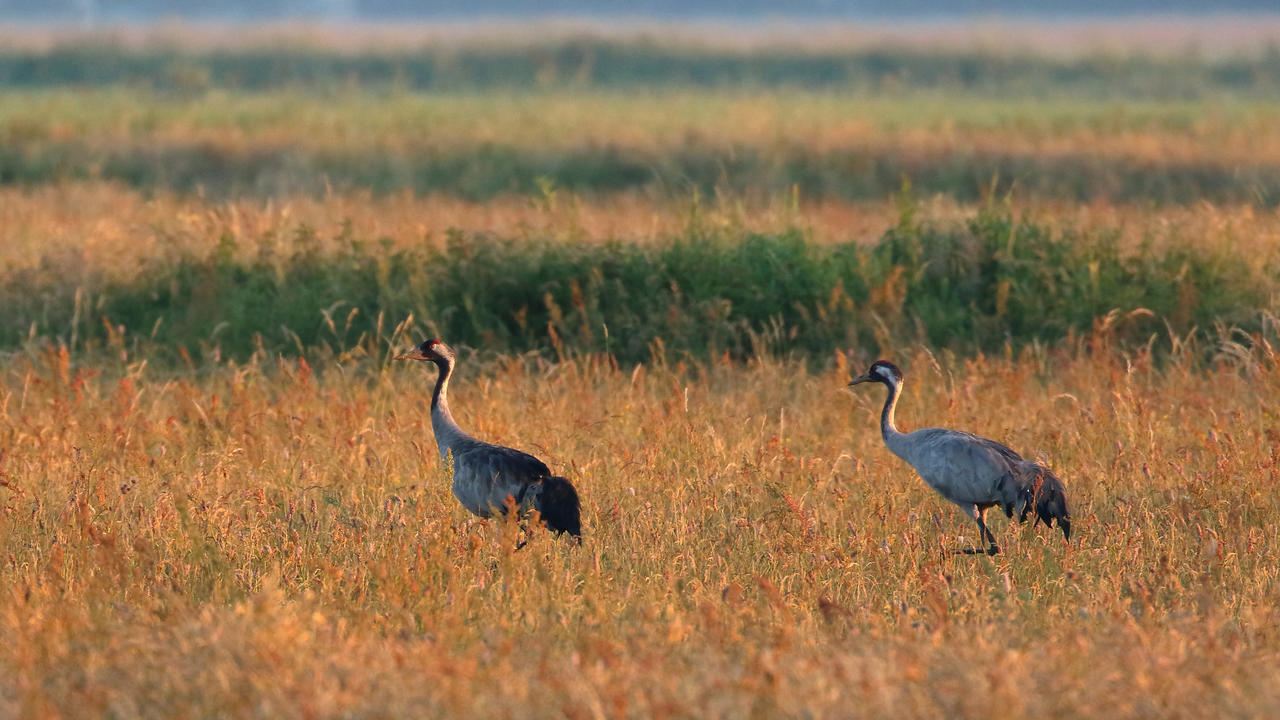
pixel 431 351
pixel 881 371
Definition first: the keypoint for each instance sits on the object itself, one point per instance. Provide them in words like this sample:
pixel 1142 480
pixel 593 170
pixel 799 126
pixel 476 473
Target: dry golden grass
pixel 105 231
pixel 277 540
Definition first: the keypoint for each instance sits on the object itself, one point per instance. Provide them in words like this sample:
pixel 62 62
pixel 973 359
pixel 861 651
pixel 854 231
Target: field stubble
pixel 279 540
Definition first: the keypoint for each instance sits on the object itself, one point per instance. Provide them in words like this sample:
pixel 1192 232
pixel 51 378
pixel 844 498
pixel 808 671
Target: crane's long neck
pixel 443 426
pixel 888 429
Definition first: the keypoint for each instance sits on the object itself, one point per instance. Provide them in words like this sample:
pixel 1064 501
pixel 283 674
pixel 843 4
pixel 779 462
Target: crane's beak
pixel 860 379
pixel 414 354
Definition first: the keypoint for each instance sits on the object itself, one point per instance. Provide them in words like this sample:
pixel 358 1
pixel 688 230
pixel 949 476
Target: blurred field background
pixel 661 251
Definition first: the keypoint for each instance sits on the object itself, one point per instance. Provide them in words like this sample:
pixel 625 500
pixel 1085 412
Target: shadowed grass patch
pixel 973 285
pixel 481 172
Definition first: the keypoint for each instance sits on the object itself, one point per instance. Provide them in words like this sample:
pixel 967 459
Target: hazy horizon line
pixel 1219 32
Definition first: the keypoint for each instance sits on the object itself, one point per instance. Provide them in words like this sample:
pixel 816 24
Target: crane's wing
pixel 1030 485
pixel 496 461
pixel 485 475
pixel 962 467
pixel 1003 451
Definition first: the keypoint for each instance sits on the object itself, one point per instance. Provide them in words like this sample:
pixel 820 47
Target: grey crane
pixel 970 471
pixel 488 478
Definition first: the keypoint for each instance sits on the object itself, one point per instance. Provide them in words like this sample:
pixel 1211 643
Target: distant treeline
pixel 639 64
pixel 970 286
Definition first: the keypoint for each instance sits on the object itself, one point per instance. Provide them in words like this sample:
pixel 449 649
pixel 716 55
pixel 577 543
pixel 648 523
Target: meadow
pixel 220 492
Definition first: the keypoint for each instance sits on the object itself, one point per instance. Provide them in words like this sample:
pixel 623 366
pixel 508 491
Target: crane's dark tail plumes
pixel 1048 497
pixel 558 505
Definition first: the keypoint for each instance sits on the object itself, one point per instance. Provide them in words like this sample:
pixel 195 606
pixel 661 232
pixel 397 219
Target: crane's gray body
pixel 971 471
pixel 486 475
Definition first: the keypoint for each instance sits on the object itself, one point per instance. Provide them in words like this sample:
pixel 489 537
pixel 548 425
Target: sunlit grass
pixel 113 230
pixel 279 539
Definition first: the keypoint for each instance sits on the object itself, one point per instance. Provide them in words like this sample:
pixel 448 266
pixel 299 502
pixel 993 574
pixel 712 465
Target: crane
pixel 488 478
pixel 971 471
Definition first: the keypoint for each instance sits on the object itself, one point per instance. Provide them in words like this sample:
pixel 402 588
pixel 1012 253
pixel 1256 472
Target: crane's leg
pixel 979 514
pixel 992 548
